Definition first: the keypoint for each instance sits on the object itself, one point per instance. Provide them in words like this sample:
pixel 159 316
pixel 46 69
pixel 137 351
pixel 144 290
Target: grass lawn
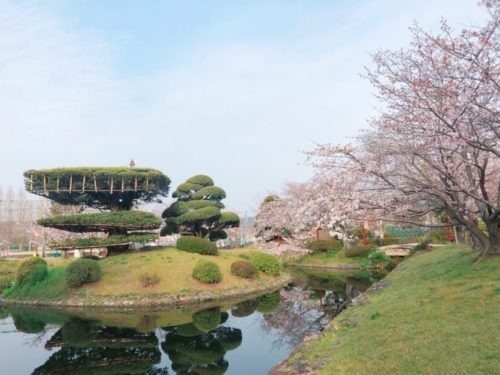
pixel 438 313
pixel 326 258
pixel 121 276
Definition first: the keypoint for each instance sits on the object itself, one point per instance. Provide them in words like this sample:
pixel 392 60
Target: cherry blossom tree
pixel 434 145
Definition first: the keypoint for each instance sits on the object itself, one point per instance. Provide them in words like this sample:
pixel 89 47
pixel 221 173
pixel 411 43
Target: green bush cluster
pixel 82 271
pixel 245 269
pixel 129 219
pixel 266 263
pixel 199 245
pixel 5 282
pixel 105 241
pixel 358 250
pixel 379 259
pixel 31 271
pixel 325 245
pixel 207 272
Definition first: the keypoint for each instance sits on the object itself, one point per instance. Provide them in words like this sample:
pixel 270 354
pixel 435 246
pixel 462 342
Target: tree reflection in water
pixel 199 347
pixel 309 304
pixel 89 348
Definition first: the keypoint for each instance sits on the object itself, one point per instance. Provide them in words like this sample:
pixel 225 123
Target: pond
pixel 245 337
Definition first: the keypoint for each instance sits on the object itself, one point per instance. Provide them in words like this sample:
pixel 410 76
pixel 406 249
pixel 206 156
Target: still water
pixel 247 337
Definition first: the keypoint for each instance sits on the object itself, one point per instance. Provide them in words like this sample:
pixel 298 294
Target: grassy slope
pixel 438 315
pixel 121 275
pixel 323 258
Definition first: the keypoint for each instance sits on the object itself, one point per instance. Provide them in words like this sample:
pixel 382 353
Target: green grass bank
pixel 122 282
pixel 436 313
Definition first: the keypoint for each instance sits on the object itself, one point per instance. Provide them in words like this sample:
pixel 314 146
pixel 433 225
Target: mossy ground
pixel 437 313
pixel 121 276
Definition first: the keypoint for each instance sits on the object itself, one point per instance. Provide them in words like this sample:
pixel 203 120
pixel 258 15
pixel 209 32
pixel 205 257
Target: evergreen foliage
pixel 114 190
pixel 31 271
pixel 82 271
pixel 267 263
pixel 197 210
pixel 199 245
pixel 207 272
pixel 98 187
pixel 245 269
pixel 103 242
pixel 102 220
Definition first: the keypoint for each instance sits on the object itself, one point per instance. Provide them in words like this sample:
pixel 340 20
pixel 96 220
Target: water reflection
pixel 311 302
pixel 263 329
pixel 194 349
pixel 89 348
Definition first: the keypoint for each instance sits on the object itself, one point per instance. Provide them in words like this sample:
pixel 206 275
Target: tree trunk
pixel 494 238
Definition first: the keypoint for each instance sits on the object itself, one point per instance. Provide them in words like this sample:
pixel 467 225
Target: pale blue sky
pixel 232 89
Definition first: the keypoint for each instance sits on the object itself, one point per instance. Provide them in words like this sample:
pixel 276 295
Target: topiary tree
pixel 197 210
pixel 113 191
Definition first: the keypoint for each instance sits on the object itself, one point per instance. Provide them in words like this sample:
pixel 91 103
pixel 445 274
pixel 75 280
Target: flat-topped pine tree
pixel 113 191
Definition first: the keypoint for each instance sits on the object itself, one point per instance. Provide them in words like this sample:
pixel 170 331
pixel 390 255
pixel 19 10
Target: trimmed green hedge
pixel 148 179
pixel 245 269
pixel 325 245
pixel 31 271
pixel 198 245
pixel 266 263
pixel 102 241
pixel 82 271
pixel 207 272
pixel 126 219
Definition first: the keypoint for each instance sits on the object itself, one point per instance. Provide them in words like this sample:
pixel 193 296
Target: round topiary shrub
pixel 245 269
pixel 196 245
pixel 207 320
pixel 82 271
pixel 207 272
pixel 31 271
pixel 266 263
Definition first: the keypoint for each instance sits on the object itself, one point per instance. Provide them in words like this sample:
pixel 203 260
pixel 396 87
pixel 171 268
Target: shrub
pixel 379 259
pixel 207 320
pixel 358 250
pixel 5 282
pixel 266 263
pixel 194 244
pixel 245 269
pixel 387 240
pixel 82 271
pixel 148 280
pixel 325 245
pixel 207 272
pixel 31 271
